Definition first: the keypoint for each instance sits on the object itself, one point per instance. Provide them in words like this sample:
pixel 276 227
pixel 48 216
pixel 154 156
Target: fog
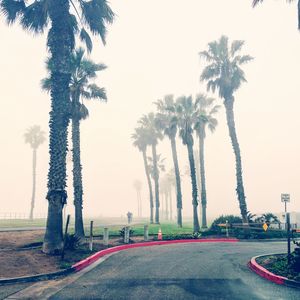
pixel 152 50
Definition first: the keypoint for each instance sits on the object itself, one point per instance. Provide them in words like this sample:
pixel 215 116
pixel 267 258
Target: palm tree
pixel 160 163
pixel 186 109
pixel 140 140
pixel 224 73
pixel 255 2
pixel 204 118
pixel 137 184
pixel 149 123
pixel 82 71
pixel 35 16
pixel 34 137
pixel 168 122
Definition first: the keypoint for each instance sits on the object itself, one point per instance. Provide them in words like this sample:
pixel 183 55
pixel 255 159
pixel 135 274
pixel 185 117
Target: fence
pixel 20 216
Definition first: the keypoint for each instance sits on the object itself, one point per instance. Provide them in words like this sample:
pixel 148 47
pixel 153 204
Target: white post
pixel 105 236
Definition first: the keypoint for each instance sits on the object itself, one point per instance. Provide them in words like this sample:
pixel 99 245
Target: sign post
pixel 285 198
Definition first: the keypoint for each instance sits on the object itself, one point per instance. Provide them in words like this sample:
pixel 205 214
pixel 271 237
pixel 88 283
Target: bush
pixel 222 220
pixel 122 232
pixel 71 242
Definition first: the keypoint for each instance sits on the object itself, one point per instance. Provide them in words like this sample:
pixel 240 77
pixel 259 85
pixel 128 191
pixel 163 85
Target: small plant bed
pixel 278 265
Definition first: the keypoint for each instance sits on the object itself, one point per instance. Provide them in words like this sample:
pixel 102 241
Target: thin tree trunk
pixel 167 204
pixel 156 183
pixel 171 204
pixel 149 185
pixel 60 42
pixel 162 210
pixel 33 183
pixel 197 167
pixel 202 174
pixel 194 188
pixel 178 182
pixel 238 162
pixel 138 203
pixel 77 176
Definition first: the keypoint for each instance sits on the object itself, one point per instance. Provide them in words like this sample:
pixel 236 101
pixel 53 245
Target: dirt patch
pixel 15 262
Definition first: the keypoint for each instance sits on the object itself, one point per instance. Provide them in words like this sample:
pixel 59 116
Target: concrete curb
pixel 89 260
pixel 261 271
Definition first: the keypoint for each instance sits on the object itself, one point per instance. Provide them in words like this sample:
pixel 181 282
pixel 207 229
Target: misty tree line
pixel 188 119
pixel 63 25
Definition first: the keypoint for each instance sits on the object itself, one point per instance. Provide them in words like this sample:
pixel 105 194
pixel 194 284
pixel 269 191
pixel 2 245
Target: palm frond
pixel 95 92
pixel 12 9
pixel 96 14
pixel 84 37
pixel 46 84
pixel 35 16
pixel 235 47
pixel 255 2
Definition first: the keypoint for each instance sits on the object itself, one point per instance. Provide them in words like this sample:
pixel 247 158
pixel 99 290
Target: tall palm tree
pixel 168 122
pixel 83 70
pixel 149 123
pixel 205 110
pixel 185 108
pixel 224 73
pixel 137 184
pixel 36 16
pixel 255 2
pixel 34 137
pixel 140 140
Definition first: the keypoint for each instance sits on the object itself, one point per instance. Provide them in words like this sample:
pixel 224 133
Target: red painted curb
pixel 89 260
pixel 261 271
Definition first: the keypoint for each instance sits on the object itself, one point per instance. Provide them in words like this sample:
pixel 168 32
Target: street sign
pixel 265 227
pixel 285 197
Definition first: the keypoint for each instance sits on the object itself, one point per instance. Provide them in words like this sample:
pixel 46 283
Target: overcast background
pixel 152 50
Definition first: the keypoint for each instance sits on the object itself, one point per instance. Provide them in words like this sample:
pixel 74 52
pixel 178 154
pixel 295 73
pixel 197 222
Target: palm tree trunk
pixel 178 182
pixel 33 183
pixel 167 204
pixel 149 185
pixel 77 177
pixel 238 162
pixel 202 174
pixel 60 44
pixel 197 167
pixel 194 187
pixel 171 204
pixel 156 183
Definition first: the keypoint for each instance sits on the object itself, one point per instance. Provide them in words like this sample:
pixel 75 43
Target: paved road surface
pixel 186 271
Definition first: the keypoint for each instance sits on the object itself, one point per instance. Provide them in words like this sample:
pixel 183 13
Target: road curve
pixel 182 271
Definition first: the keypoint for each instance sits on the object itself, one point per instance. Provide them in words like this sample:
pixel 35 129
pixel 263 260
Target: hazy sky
pixel 152 50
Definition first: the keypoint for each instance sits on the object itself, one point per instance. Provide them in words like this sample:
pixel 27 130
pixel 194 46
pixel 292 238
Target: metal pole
pixel 65 237
pixel 227 234
pixel 288 236
pixel 91 236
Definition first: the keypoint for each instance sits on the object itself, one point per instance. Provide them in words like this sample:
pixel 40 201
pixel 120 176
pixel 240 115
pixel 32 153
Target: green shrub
pixel 122 232
pixel 71 242
pixel 222 220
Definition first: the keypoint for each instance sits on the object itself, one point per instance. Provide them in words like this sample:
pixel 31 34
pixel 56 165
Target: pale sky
pixel 152 50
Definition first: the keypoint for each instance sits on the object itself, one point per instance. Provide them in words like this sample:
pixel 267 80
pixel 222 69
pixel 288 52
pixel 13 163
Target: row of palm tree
pixel 184 116
pixel 57 18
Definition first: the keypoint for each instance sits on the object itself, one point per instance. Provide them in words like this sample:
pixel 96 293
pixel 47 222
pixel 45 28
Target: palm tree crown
pixel 205 111
pixel 34 136
pixel 223 71
pixel 94 14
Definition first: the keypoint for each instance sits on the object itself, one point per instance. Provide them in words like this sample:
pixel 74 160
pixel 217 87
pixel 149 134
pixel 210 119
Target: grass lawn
pixel 138 229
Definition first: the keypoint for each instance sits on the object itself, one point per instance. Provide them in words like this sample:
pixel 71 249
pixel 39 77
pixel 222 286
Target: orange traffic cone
pixel 159 235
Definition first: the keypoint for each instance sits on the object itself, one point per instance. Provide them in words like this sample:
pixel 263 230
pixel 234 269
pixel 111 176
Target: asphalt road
pixel 184 271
